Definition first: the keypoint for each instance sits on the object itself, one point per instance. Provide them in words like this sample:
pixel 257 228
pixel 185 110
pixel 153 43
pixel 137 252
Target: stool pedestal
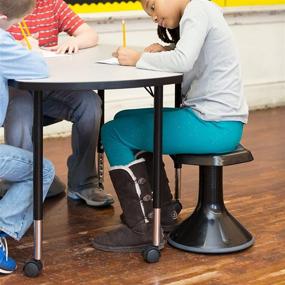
pixel 211 228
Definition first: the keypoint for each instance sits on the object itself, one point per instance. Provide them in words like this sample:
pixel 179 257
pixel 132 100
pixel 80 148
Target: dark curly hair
pixel 169 36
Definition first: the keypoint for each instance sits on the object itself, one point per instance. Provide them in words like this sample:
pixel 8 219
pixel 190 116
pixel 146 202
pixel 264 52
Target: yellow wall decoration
pixel 106 7
pixel 127 6
pixel 252 2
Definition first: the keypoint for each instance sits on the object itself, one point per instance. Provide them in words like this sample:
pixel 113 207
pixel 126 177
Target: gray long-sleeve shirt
pixel 207 56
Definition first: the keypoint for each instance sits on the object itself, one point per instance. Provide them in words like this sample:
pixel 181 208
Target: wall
pixel 260 35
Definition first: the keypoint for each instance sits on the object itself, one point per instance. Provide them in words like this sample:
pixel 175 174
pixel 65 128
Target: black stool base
pixel 211 228
pixel 209 231
pixel 211 251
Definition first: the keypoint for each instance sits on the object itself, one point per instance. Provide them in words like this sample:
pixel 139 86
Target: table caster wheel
pixel 33 268
pixel 151 254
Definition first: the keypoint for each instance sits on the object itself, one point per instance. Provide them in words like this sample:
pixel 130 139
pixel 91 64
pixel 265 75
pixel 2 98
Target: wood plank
pixel 254 193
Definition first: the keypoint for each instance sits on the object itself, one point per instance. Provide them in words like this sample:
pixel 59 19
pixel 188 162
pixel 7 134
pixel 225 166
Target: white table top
pixel 80 71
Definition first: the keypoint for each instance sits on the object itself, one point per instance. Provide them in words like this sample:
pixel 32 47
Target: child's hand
pixel 33 40
pixel 155 48
pixel 70 46
pixel 127 56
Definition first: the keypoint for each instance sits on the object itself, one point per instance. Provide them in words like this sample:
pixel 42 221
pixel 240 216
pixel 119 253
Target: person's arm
pixel 86 36
pixel 81 34
pixel 156 47
pixel 83 37
pixel 16 62
pixel 194 29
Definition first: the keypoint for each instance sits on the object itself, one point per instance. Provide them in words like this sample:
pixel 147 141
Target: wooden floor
pixel 254 193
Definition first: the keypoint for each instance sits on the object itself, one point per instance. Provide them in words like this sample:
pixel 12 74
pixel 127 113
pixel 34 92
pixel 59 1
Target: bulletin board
pixel 95 6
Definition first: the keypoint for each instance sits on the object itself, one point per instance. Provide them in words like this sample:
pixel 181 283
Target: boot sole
pixel 137 248
pixel 105 203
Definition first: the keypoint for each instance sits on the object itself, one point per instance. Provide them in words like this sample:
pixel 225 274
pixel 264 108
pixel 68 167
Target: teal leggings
pixel 183 132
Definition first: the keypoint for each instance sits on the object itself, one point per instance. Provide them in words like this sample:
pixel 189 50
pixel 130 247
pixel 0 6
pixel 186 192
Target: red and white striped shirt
pixel 48 19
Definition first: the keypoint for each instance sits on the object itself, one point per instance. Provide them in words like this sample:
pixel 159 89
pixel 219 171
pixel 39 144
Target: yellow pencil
pixel 124 33
pixel 26 28
pixel 25 37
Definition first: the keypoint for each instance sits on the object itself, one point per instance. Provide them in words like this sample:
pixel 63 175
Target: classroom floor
pixel 254 193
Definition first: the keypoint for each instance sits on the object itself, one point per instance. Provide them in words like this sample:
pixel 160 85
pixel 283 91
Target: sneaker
pixel 7 264
pixel 4 235
pixel 95 197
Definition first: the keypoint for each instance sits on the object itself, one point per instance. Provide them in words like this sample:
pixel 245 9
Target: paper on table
pixel 48 53
pixel 111 60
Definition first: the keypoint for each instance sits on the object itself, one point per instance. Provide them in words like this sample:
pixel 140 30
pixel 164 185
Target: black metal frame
pixel 33 267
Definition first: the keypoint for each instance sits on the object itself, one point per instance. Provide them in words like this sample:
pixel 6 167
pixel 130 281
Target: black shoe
pixel 57 187
pixel 4 186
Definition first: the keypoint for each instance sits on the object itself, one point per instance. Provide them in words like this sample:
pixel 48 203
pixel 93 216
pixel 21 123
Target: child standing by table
pixel 210 121
pixel 82 108
pixel 16 165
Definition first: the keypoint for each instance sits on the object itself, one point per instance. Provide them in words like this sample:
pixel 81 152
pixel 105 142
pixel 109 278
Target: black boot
pixel 133 189
pixel 169 208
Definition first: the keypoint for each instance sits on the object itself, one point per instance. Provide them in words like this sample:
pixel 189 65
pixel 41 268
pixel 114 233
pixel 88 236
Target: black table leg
pixel 100 149
pixel 178 166
pixel 152 254
pixel 178 95
pixel 34 267
pixel 158 103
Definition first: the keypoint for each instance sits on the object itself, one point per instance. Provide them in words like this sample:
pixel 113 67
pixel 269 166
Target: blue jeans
pixel 82 108
pixel 16 207
pixel 183 132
